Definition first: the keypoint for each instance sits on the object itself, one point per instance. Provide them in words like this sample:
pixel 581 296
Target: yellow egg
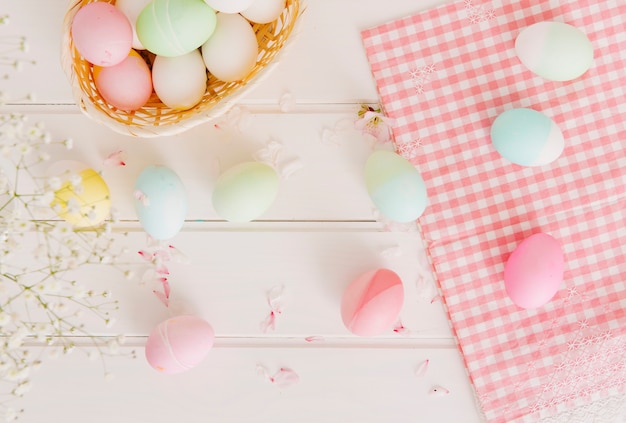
pixel 83 204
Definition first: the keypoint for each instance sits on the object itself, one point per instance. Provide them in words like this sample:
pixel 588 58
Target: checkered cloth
pixel 444 75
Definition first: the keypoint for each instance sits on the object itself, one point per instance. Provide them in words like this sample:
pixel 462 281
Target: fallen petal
pixel 269 324
pixel 438 391
pixel 421 369
pixel 290 167
pixel 161 296
pixel 115 159
pixel 285 377
pixel 274 297
pixel 286 102
pixel 315 339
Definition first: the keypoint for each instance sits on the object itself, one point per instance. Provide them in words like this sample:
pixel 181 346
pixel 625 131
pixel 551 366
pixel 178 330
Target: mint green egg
pixel 554 50
pixel 160 202
pixel 526 137
pixel 395 186
pixel 173 28
pixel 245 191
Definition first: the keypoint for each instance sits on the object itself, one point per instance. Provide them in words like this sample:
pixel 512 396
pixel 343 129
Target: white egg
pixel 180 81
pixel 131 9
pixel 231 52
pixel 229 6
pixel 264 11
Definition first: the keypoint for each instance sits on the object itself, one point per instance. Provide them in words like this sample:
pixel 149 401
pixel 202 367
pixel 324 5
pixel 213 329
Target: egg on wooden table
pixel 395 186
pixel 179 344
pixel 127 85
pixel 264 11
pixel 229 6
pixel 554 50
pixel 372 303
pixel 534 271
pixel 131 9
pixel 180 82
pixel 160 202
pixel 245 191
pixel 82 197
pixel 173 28
pixel 101 33
pixel 231 52
pixel 527 137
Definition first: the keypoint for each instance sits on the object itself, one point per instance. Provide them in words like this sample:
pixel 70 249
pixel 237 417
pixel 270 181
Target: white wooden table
pixel 319 235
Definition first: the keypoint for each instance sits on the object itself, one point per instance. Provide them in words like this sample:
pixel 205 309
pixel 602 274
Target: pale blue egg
pixel 527 137
pixel 395 186
pixel 160 202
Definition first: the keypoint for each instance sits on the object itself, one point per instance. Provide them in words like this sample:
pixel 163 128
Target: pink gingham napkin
pixel 444 75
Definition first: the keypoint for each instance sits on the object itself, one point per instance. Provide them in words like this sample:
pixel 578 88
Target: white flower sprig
pixel 42 303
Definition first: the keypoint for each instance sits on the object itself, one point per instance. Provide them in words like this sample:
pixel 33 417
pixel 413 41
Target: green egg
pixel 173 28
pixel 395 186
pixel 245 191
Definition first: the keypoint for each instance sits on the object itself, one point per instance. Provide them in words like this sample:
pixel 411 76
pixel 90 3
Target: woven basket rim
pixel 157 119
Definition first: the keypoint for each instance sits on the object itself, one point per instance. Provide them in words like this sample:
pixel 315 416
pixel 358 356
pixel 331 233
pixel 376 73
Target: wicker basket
pixel 155 118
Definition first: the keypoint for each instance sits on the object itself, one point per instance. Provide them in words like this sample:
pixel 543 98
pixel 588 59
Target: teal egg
pixel 245 191
pixel 160 202
pixel 527 137
pixel 173 28
pixel 395 186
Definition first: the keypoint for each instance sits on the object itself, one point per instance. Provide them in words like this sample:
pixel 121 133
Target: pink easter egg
pixel 102 34
pixel 372 302
pixel 179 344
pixel 534 271
pixel 127 85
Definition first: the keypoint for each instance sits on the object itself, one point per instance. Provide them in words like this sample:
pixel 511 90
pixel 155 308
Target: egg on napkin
pixel 245 191
pixel 527 137
pixel 160 202
pixel 179 344
pixel 82 198
pixel 554 50
pixel 102 34
pixel 395 186
pixel 534 271
pixel 372 302
pixel 231 52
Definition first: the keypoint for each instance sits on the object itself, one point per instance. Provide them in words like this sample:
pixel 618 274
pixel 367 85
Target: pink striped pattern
pixel 444 75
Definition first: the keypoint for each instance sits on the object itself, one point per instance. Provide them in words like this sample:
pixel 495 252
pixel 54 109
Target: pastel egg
pixel 229 6
pixel 264 11
pixel 127 85
pixel 231 52
pixel 173 28
pixel 534 271
pixel 372 302
pixel 245 191
pixel 180 82
pixel 527 137
pixel 131 9
pixel 83 198
pixel 179 344
pixel 101 34
pixel 554 50
pixel 160 201
pixel 395 186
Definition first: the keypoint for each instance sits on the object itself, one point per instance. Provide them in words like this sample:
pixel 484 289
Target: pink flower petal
pixel 141 197
pixel 315 339
pixel 269 324
pixel 161 296
pixel 421 369
pixel 115 159
pixel 147 256
pixel 285 377
pixel 438 391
